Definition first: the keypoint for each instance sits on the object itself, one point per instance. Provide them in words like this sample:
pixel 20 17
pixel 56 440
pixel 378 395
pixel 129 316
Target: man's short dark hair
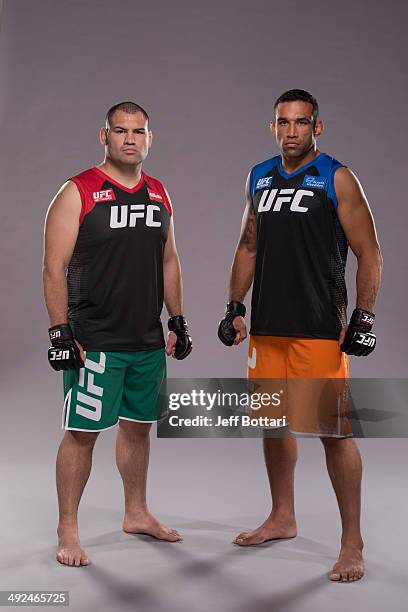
pixel 127 107
pixel 292 95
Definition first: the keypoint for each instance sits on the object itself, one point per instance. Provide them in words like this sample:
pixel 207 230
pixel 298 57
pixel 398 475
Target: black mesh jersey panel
pixel 299 287
pixel 115 276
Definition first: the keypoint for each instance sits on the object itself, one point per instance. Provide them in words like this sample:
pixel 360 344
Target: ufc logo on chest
pixel 128 215
pixel 275 198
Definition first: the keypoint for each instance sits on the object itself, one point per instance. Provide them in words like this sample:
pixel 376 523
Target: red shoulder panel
pixel 157 193
pixel 89 186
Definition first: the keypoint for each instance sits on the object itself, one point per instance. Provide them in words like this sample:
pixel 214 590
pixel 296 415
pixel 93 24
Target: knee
pixel 279 439
pixel 336 445
pixel 134 429
pixel 82 438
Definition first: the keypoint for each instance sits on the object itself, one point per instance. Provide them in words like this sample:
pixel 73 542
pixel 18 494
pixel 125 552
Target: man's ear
pixel 103 136
pixel 319 127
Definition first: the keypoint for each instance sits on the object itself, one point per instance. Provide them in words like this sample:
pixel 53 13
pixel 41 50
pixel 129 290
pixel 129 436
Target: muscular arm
pixel 358 224
pixel 243 265
pixel 60 234
pixel 173 289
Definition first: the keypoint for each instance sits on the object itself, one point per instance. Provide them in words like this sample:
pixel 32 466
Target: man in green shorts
pixel 110 260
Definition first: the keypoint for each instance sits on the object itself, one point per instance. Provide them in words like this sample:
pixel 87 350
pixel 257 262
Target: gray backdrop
pixel 208 74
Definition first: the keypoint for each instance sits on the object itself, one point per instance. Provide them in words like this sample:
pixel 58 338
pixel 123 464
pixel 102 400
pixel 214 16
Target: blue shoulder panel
pixel 259 172
pixel 327 166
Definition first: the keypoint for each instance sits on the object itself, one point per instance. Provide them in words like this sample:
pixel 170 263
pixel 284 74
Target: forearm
pixel 173 289
pixel 242 273
pixel 368 279
pixel 56 295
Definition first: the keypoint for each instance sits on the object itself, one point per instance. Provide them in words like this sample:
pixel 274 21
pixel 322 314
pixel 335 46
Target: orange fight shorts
pixel 312 385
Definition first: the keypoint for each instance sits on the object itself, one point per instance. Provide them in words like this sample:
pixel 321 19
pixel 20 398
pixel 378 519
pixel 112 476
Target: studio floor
pixel 209 490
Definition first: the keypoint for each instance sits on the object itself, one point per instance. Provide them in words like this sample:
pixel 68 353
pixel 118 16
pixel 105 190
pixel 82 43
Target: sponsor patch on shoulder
pixel 263 183
pixel 153 195
pixel 318 182
pixel 107 195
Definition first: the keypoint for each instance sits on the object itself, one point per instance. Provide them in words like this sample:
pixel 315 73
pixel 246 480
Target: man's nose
pixel 130 137
pixel 292 130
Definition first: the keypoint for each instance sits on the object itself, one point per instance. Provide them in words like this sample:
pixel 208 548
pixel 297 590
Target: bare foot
pixel 145 523
pixel 349 566
pixel 271 529
pixel 69 549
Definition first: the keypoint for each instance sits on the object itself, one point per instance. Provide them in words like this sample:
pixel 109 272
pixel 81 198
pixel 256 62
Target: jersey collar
pixel 299 170
pixel 112 180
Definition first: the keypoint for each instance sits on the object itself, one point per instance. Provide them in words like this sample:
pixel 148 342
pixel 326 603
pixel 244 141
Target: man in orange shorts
pixel 303 209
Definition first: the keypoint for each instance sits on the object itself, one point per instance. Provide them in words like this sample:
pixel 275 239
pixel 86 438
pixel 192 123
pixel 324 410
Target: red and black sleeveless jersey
pixel 299 287
pixel 115 276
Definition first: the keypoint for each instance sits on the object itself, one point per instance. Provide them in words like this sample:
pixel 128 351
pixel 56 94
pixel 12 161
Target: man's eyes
pixel 118 131
pixel 299 121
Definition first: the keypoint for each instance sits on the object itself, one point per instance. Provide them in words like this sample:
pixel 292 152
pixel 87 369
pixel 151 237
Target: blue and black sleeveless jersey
pixel 299 287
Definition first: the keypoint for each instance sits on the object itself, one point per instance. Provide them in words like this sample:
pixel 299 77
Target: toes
pixel 171 536
pixel 167 533
pixel 73 558
pixel 62 557
pixel 346 575
pixel 242 536
pixel 242 541
pixel 250 539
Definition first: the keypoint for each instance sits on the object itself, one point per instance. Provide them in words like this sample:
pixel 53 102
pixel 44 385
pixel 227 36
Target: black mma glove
pixel 64 353
pixel 359 340
pixel 226 330
pixel 184 344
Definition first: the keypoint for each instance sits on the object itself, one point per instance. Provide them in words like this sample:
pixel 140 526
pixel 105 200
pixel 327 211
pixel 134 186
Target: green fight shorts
pixel 114 386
